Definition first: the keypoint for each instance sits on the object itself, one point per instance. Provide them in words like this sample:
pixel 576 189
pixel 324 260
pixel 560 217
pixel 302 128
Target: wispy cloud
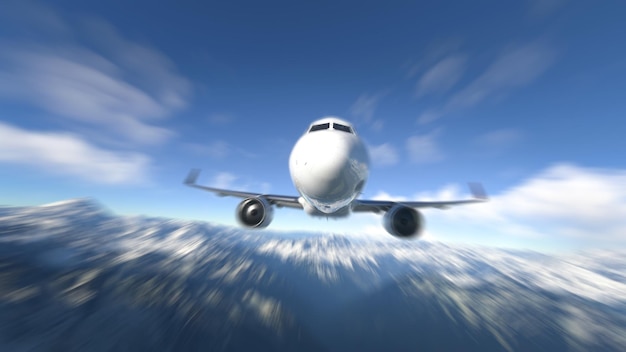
pixel 499 138
pixel 447 192
pixel 382 195
pixel 432 54
pixel 114 86
pixel 383 155
pixel 151 69
pixel 215 149
pixel 364 108
pixel 442 76
pixel 498 141
pixel 67 154
pixel 515 67
pixel 228 180
pixel 223 180
pixel 85 76
pixel 220 119
pixel 424 148
pixel 429 116
pixel 75 84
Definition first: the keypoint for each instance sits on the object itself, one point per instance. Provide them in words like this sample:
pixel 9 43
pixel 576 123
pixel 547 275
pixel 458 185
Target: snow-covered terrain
pixel 75 277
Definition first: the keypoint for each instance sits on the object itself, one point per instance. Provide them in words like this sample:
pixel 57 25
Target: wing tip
pixel 478 191
pixel 192 177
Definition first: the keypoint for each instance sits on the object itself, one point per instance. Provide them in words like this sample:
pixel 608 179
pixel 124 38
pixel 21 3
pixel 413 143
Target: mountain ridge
pixel 317 292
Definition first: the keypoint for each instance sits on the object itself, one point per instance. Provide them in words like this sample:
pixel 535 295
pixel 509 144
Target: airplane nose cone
pixel 329 168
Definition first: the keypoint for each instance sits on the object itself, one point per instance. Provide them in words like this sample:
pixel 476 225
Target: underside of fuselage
pixel 315 212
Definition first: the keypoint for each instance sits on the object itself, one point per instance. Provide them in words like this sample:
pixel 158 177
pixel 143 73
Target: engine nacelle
pixel 255 212
pixel 404 222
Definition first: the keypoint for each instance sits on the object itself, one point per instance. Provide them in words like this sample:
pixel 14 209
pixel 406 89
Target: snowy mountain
pixel 76 277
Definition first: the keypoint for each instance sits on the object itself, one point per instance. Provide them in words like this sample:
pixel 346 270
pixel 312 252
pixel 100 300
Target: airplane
pixel 329 166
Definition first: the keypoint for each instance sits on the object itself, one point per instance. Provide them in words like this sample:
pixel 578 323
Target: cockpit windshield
pixel 321 126
pixel 335 126
pixel 340 127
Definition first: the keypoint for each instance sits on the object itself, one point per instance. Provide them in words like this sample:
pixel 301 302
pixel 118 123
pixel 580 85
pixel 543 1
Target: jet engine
pixel 255 212
pixel 402 221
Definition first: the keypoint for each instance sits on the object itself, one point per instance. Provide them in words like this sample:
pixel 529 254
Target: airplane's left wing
pixel 278 200
pixel 377 206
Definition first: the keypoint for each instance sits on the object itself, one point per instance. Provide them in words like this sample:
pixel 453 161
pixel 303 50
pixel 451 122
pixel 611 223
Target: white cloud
pixel 500 138
pixel 424 148
pixel 578 195
pixel 377 125
pixel 223 180
pixel 562 202
pixel 433 53
pixel 382 195
pixel 364 109
pixel 67 154
pixel 447 192
pixel 220 119
pixel 429 116
pixel 442 76
pixel 515 67
pixel 567 201
pixel 498 141
pixel 227 180
pixel 215 149
pixel 265 187
pixel 383 155
pixel 147 66
pixel 115 87
pixel 218 149
pixel 365 106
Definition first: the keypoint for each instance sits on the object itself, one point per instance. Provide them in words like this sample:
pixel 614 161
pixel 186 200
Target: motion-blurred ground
pixel 74 277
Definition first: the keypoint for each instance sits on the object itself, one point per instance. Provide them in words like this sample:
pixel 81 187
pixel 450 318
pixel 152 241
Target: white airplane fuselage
pixel 329 167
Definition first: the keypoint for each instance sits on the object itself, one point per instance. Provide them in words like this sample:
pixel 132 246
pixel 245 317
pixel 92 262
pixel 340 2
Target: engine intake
pixel 404 222
pixel 255 212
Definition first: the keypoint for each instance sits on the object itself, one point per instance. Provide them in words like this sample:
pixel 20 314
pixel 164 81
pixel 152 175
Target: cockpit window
pixel 321 126
pixel 341 127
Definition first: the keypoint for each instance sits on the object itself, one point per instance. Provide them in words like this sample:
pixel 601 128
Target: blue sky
pixel 117 101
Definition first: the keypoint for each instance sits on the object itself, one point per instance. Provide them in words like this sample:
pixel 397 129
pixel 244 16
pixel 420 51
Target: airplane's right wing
pixel 377 206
